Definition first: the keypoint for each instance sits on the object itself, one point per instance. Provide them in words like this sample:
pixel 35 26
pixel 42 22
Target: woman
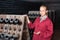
pixel 43 26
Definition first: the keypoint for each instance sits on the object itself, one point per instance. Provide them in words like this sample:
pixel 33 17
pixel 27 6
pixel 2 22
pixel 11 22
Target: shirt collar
pixel 43 17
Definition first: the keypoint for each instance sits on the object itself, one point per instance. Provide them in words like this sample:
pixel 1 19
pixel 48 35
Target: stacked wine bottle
pixel 10 21
pixel 4 36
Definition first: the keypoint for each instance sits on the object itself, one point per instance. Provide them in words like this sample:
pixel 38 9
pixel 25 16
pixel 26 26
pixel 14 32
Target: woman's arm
pixel 30 24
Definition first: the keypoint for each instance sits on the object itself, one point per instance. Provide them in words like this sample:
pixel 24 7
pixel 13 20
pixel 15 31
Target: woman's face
pixel 43 11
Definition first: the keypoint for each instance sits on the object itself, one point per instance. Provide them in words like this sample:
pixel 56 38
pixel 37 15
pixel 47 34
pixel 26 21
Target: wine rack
pixel 13 27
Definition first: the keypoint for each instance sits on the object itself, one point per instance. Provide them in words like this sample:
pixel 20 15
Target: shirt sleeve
pixel 32 25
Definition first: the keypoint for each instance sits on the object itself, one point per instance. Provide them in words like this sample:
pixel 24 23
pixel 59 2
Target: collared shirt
pixel 43 18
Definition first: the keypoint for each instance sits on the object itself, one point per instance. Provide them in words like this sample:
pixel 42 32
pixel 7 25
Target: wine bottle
pixel 6 37
pixel 11 38
pixel 11 21
pixel 16 21
pixel 6 20
pixel 1 20
pixel 2 35
pixel 15 37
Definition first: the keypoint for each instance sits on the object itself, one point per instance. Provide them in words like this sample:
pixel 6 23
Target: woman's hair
pixel 44 6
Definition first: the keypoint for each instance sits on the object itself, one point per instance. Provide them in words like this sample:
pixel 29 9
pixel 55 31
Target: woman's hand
pixel 37 33
pixel 28 19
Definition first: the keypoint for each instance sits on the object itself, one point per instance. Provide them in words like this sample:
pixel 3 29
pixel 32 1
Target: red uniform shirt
pixel 45 27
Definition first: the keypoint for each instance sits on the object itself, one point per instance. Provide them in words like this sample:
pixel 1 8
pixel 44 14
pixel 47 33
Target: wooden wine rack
pixel 19 30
